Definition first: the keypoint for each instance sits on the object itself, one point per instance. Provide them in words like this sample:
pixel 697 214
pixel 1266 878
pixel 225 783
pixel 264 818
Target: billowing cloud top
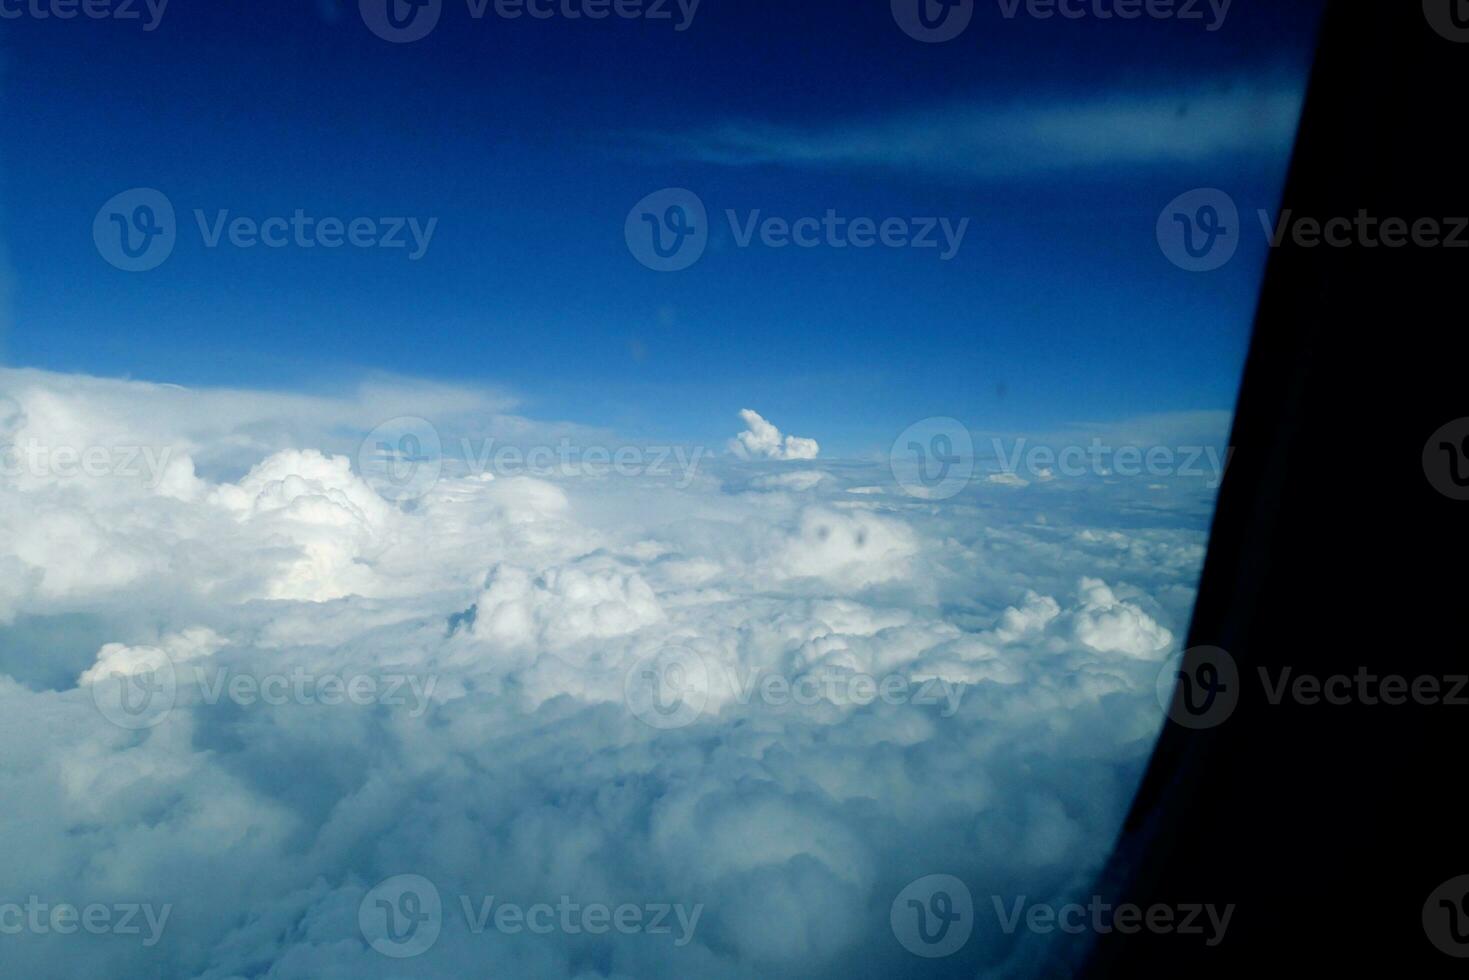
pixel 761 440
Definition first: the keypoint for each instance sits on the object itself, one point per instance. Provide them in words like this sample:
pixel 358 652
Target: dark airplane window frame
pixel 1335 828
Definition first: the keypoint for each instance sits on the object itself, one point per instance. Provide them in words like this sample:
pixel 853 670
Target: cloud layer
pixel 346 689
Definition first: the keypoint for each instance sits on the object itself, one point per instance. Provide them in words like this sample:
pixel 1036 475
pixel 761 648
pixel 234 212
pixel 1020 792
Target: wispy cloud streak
pixel 978 141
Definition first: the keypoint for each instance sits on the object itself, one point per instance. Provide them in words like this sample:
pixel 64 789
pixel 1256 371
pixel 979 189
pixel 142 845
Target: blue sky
pixel 530 140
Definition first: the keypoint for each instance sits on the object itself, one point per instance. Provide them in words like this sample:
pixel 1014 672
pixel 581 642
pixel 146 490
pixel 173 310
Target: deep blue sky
pixel 530 140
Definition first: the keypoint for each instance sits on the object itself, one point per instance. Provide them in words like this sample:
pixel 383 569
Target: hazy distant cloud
pixel 235 428
pixel 979 140
pixel 1200 427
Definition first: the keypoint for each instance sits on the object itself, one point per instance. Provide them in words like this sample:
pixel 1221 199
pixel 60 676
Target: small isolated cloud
pixel 761 440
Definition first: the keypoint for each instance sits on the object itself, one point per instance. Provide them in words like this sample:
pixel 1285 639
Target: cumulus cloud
pixel 627 690
pixel 563 605
pixel 761 440
pixel 1109 625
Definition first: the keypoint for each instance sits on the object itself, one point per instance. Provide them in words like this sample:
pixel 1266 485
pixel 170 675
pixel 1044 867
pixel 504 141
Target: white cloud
pixel 119 658
pixel 986 141
pixel 522 771
pixel 761 440
pixel 1109 625
pixel 798 481
pixel 590 599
